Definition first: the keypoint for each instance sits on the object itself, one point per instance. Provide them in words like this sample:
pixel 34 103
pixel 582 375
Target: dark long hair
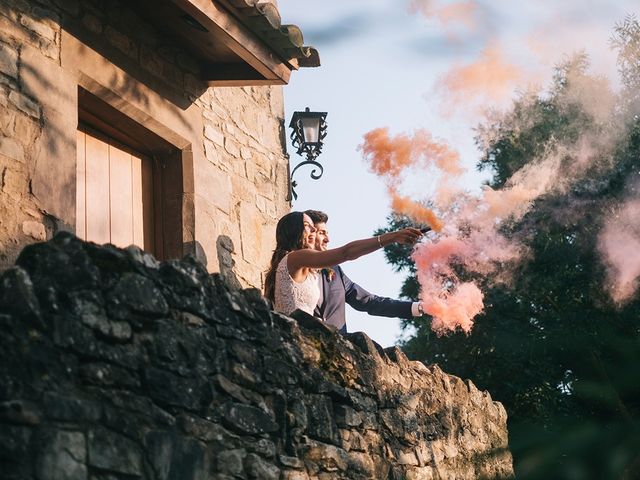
pixel 289 237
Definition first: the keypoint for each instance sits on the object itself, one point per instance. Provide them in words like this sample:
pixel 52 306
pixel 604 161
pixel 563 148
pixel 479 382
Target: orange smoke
pixel 391 156
pixel 415 210
pixel 491 79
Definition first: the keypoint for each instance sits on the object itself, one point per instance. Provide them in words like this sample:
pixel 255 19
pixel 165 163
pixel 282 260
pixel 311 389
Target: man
pixel 336 289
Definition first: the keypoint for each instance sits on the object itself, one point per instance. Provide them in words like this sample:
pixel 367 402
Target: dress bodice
pixel 291 295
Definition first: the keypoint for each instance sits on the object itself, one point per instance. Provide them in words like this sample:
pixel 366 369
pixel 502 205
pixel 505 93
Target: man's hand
pixel 407 236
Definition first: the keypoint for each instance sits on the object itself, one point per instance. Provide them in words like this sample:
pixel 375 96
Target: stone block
pixel 423 454
pixel 17 295
pixel 246 153
pixel 26 129
pixel 107 375
pixel 71 409
pixel 135 293
pixel 62 456
pixel 291 462
pixel 113 452
pixel 328 457
pixel 25 104
pixel 259 469
pixel 294 475
pixel 11 148
pixel 15 453
pixel 214 186
pixel 232 147
pixel 239 393
pixel 356 442
pixel 8 61
pixel 347 416
pixel 207 431
pixel 20 411
pixel 35 230
pixel 407 457
pixel 393 421
pixel 39 27
pixel 167 388
pixel 176 458
pixel 321 419
pixel 264 447
pixel 231 462
pixel 256 239
pixel 424 473
pixel 361 463
pixel 248 419
pixel 214 134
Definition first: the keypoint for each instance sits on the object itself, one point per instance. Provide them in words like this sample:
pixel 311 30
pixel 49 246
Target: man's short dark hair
pixel 317 216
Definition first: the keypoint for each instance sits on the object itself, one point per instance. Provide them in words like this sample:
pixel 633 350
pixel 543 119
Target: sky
pixel 421 64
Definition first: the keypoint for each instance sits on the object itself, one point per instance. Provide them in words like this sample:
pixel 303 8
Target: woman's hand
pixel 406 236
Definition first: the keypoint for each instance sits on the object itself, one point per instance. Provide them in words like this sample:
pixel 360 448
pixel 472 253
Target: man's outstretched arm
pixel 363 301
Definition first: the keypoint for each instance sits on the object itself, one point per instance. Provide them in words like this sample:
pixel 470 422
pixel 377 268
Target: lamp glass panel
pixel 311 129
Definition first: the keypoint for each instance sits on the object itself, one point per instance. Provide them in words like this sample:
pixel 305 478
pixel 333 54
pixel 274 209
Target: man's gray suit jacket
pixel 341 290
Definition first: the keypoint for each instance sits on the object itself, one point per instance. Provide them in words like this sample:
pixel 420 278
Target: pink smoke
pixel 619 245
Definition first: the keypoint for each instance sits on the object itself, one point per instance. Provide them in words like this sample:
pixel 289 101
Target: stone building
pixel 155 123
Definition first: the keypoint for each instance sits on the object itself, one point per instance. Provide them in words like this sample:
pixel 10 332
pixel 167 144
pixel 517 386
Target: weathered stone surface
pixel 247 419
pixel 231 462
pixel 320 416
pixel 25 104
pixel 12 149
pixel 16 293
pixel 62 456
pixel 15 456
pixel 137 294
pixel 347 416
pixel 244 393
pixel 65 408
pixel 19 411
pixel 328 457
pixel 8 60
pixel 35 230
pixel 174 457
pixel 259 469
pixel 113 452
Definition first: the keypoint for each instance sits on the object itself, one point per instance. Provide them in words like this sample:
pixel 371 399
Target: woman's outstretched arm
pixel 314 259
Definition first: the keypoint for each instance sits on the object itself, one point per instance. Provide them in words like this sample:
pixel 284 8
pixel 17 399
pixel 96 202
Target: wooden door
pixel 114 193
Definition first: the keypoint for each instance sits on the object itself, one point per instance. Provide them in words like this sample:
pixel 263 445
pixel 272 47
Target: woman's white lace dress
pixel 291 295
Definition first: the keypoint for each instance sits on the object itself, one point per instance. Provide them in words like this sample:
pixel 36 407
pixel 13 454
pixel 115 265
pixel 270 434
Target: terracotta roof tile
pixel 263 18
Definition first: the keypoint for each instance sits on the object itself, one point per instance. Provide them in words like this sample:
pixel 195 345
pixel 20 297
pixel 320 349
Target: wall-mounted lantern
pixel 308 132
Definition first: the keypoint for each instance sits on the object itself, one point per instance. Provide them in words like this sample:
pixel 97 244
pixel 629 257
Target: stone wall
pixel 49 48
pixel 115 366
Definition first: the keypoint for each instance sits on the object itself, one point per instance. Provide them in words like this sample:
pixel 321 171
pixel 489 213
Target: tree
pixel 553 347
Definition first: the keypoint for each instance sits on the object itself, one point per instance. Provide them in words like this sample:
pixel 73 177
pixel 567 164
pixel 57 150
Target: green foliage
pixel 552 346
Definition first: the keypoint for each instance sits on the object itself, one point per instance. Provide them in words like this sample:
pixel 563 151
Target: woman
pixel 291 282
